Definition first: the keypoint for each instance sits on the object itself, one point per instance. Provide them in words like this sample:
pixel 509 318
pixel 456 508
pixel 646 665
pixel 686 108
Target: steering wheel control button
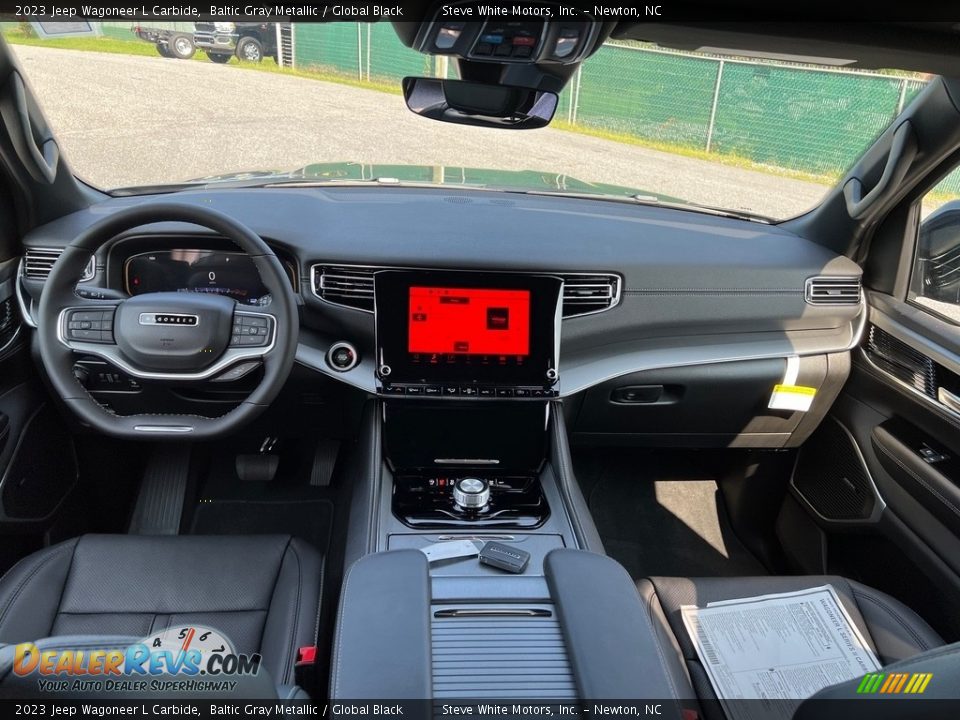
pixel 94 326
pixel 471 493
pixel 250 331
pixel 342 356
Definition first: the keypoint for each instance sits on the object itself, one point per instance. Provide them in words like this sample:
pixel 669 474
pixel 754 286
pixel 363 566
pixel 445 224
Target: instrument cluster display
pixel 232 274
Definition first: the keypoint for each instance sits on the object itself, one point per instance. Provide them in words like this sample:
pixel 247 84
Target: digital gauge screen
pixel 201 271
pixel 469 321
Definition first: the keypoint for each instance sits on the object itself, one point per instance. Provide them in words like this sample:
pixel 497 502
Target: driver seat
pixel 262 592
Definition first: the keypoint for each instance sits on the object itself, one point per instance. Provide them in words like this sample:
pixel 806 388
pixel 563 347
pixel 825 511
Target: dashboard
pixel 455 292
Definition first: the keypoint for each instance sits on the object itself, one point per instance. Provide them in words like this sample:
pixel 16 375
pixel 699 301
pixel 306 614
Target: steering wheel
pixel 169 336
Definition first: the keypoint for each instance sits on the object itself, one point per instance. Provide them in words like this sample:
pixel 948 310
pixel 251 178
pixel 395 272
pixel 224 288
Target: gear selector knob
pixel 471 493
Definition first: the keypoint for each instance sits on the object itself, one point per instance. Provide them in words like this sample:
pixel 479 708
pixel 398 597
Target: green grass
pixel 98 44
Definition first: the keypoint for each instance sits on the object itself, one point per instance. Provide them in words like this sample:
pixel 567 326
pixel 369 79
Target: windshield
pixel 141 106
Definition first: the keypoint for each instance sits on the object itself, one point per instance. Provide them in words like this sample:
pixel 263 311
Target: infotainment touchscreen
pixel 490 329
pixel 469 321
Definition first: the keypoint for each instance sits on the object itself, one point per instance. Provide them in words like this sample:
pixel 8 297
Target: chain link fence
pixel 810 121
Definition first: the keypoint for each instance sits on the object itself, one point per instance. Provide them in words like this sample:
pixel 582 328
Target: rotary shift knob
pixel 471 493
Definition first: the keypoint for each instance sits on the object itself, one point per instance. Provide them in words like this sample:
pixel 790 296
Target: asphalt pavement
pixel 133 120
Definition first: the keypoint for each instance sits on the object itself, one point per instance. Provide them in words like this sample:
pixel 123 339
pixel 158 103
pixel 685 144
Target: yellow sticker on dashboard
pixel 798 398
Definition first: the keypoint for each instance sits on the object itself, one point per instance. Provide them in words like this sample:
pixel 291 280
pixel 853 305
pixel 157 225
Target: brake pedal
pixel 257 468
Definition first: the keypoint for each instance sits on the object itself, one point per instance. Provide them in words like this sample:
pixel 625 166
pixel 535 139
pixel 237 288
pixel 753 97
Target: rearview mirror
pixel 473 103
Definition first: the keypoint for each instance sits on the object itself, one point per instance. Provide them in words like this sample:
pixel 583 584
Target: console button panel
pixel 469 391
pixel 426 501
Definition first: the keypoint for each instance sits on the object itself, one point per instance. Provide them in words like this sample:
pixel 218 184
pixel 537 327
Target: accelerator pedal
pixel 324 461
pixel 163 490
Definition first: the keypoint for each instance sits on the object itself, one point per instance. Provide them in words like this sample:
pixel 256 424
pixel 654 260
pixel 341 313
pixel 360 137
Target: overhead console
pixel 493 33
pixel 459 335
pixel 533 45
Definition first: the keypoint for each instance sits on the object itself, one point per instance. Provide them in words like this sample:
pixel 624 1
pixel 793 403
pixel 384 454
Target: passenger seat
pixel 894 632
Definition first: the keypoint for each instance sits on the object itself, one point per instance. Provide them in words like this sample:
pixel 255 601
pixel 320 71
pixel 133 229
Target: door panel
pixel 910 444
pixel 37 463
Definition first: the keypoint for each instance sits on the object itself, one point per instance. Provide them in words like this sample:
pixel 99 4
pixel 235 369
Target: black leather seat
pixel 894 631
pixel 261 591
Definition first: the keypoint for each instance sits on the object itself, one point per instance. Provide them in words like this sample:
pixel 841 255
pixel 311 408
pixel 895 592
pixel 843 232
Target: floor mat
pixel 225 504
pixel 308 519
pixel 660 518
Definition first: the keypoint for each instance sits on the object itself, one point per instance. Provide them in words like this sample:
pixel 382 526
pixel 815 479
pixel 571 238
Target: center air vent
pixel 827 290
pixel 588 294
pixel 38 262
pixel 352 286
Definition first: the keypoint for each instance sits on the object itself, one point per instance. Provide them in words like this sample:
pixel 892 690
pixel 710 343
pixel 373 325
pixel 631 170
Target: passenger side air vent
pixel 588 294
pixel 826 290
pixel 352 286
pixel 902 361
pixel 37 263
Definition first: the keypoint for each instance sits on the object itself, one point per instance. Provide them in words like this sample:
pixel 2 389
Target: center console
pixel 466 443
pixel 467 363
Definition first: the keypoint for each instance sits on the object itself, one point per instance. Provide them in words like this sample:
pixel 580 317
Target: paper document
pixel 774 651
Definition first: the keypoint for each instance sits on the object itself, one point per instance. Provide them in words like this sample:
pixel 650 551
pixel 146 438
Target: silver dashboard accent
pixel 25 303
pixel 949 400
pixel 111 353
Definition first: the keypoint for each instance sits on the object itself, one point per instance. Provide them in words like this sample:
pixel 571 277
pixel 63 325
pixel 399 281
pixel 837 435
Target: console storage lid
pixel 384 645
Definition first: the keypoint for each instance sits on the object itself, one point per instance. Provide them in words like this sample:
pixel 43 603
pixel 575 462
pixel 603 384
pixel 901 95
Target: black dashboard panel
pixel 697 288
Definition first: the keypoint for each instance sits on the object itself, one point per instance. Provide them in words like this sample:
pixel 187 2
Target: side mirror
pixel 938 255
pixel 473 103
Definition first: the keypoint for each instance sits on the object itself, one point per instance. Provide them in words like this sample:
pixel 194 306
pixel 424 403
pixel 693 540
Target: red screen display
pixel 464 321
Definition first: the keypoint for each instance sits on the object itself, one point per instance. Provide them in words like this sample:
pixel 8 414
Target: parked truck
pixel 173 39
pixel 248 41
